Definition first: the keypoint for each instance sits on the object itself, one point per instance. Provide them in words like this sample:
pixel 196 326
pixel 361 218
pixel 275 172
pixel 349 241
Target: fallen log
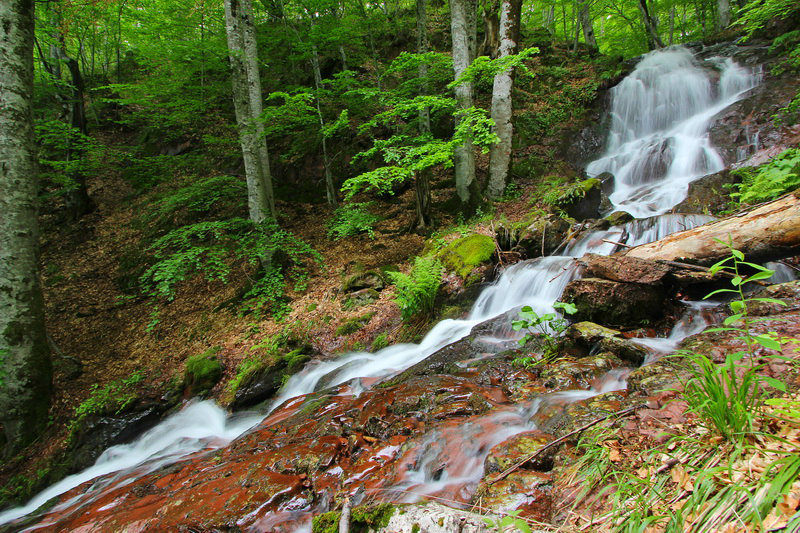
pixel 766 233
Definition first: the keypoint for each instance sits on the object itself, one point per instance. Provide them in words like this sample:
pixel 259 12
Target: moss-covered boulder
pixel 537 234
pixel 203 371
pixel 587 338
pixel 465 255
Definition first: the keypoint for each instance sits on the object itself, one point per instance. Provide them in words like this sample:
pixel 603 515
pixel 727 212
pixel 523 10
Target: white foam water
pixel 658 141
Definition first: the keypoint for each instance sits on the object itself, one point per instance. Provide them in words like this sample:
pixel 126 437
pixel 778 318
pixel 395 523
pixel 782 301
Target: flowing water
pixel 657 145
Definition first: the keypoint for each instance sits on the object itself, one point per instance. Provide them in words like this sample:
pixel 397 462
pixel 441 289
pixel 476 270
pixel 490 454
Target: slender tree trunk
pixel 79 203
pixel 330 190
pixel 723 14
pixel 672 26
pixel 422 188
pixel 654 41
pixel 463 16
pixel 240 31
pixel 586 23
pixel 500 155
pixel 25 369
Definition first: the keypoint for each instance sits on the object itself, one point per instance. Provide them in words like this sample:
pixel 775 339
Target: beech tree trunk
pixel 25 369
pixel 79 202
pixel 766 233
pixel 240 30
pixel 500 155
pixel 586 23
pixel 422 186
pixel 463 15
pixel 723 14
pixel 330 190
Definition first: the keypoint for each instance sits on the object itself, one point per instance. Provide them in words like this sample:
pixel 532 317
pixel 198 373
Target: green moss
pixel 326 522
pixel 354 324
pixel 203 371
pixel 371 517
pixel 415 528
pixel 295 360
pixel 380 342
pixel 463 255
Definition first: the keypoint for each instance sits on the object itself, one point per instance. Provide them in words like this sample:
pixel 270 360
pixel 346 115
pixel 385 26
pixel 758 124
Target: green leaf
pixel 737 306
pixel 733 318
pixel 776 383
pixel 767 342
pixel 718 291
pixel 736 281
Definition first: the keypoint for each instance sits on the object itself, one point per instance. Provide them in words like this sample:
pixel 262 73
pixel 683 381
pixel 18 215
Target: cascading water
pixel 658 142
pixel 657 145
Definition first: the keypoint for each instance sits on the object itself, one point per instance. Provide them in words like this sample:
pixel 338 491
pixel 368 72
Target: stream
pixel 658 143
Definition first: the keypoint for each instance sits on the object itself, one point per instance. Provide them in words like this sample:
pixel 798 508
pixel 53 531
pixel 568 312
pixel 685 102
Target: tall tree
pixel 25 370
pixel 653 40
pixel 240 29
pixel 463 15
pixel 500 155
pixel 422 182
pixel 723 14
pixel 585 19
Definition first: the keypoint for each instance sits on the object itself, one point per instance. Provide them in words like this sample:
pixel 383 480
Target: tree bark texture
pixel 25 369
pixel 769 232
pixel 422 48
pixel 586 23
pixel 240 30
pixel 500 155
pixel 723 14
pixel 79 202
pixel 462 23
pixel 330 190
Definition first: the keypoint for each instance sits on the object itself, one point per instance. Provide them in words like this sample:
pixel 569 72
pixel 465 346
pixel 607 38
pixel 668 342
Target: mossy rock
pixel 463 255
pixel 354 324
pixel 203 371
pixel 363 519
pixel 370 279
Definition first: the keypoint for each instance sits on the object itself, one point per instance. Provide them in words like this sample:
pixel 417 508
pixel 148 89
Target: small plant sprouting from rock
pixel 544 330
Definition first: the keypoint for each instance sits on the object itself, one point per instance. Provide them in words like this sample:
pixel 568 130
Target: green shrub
pixel 416 291
pixel 770 180
pixel 112 399
pixel 200 197
pixel 210 248
pixel 544 330
pixel 352 219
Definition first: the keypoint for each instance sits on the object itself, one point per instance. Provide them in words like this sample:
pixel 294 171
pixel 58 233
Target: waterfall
pixel 658 143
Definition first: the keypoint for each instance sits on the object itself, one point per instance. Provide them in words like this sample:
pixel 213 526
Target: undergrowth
pixel 737 470
pixel 416 291
pixel 353 218
pixel 770 180
pixel 111 399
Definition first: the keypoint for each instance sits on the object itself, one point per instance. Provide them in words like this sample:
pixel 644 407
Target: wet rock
pixel 612 303
pixel 617 218
pixel 709 194
pixel 587 204
pixel 516 450
pixel 568 373
pixel 590 338
pixel 534 236
pixel 788 292
pixel 434 518
pixel 561 419
pixel 526 491
pixel 624 269
pixel 97 434
pixel 663 374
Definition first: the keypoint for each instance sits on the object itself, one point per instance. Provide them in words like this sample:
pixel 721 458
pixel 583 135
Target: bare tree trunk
pixel 247 103
pixel 586 23
pixel 79 203
pixel 25 369
pixel 723 14
pixel 422 188
pixel 654 41
pixel 491 24
pixel 463 15
pixel 500 155
pixel 671 26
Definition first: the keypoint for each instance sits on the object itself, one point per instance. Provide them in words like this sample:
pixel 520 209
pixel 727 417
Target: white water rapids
pixel 657 144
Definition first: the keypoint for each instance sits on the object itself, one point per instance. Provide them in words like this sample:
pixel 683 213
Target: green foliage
pixel 3 355
pixel 544 330
pixel 416 291
pixel 353 324
pixel 770 180
pixel 758 13
pixel 352 218
pixel 380 342
pixel 199 197
pixel 483 69
pixel 210 248
pixel 111 399
pixel 203 371
pixel 55 141
pixel 462 255
pixel 510 522
pixel 729 398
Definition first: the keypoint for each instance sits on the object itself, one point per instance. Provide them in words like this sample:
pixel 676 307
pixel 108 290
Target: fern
pixel 352 219
pixel 416 291
pixel 770 180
